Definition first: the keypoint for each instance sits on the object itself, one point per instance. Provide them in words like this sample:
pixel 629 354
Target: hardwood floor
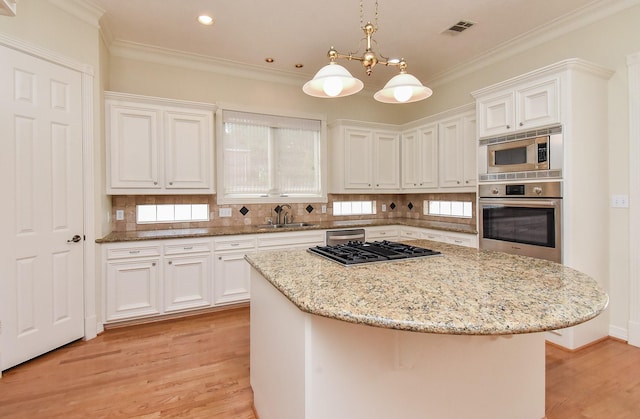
pixel 198 367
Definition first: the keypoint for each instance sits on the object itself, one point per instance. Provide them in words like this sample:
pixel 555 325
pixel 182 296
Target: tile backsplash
pixel 404 206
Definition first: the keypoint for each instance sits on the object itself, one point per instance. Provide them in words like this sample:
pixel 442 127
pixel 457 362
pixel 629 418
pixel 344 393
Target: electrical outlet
pixel 119 215
pixel 620 201
pixel 324 209
pixel 224 212
pixel 384 207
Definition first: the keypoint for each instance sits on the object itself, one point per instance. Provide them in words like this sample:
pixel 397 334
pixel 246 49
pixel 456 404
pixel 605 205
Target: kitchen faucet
pixel 286 214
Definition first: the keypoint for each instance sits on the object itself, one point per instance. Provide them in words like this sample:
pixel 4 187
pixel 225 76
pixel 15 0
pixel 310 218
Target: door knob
pixel 74 239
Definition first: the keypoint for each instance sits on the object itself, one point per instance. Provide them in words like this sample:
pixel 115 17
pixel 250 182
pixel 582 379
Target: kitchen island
pixel 452 336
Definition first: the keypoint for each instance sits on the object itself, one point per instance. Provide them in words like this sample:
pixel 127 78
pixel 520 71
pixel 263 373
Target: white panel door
pixel 358 151
pixel 187 280
pixel 386 168
pixel 41 294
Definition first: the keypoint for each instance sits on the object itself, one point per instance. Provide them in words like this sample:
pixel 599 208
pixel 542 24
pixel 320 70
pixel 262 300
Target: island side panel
pixel 277 352
pixel 369 373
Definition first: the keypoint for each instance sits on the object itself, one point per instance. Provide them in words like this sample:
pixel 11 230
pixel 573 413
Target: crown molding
pixel 86 10
pixel 587 15
pixel 136 51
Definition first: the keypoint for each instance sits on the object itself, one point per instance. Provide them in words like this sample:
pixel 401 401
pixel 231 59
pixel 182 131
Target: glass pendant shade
pixel 333 80
pixel 403 88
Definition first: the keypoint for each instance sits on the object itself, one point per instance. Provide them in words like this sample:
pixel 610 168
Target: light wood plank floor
pixel 198 367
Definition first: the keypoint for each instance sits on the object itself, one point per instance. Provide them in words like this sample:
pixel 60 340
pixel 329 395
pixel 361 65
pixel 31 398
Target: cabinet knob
pixel 170 183
pixel 170 263
pixel 377 184
pixel 369 184
pixel 508 126
pixel 521 124
pixel 466 181
pixel 219 257
pixel 458 182
pixel 153 264
pixel 155 183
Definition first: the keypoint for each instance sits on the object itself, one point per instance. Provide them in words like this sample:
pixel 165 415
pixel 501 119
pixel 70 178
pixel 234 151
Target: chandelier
pixel 333 80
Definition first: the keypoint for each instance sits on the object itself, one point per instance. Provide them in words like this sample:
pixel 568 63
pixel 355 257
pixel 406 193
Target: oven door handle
pixel 531 203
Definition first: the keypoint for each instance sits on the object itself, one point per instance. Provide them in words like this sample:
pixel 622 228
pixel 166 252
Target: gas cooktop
pixel 354 253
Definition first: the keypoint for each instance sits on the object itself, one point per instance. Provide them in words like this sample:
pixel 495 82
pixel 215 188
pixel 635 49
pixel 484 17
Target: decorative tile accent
pixel 392 206
pixel 244 210
pixel 278 209
pixel 309 208
pixel 410 206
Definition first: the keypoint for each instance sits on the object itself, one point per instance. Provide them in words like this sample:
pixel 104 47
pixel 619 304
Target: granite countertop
pixel 235 230
pixel 464 292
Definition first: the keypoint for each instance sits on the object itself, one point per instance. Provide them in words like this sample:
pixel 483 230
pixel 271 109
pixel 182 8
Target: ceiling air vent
pixel 461 26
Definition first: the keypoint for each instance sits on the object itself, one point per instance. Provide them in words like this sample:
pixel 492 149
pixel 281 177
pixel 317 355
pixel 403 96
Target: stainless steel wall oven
pixel 522 218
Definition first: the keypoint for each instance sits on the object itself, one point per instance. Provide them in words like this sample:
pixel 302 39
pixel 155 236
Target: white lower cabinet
pixel 381 233
pixel 187 281
pixel 133 282
pixel 156 278
pixel 451 237
pixel 231 276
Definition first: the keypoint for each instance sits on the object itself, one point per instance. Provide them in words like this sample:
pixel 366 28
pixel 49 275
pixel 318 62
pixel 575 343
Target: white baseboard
pixel 618 332
pixel 633 336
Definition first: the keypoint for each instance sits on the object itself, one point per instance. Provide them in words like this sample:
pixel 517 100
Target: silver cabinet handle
pixel 134 252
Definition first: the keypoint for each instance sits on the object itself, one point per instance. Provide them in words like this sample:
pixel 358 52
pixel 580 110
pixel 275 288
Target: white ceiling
pixel 301 31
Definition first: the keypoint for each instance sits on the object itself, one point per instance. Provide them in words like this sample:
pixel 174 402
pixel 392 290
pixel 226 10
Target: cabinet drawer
pixel 191 247
pixel 234 244
pixel 468 241
pixel 283 240
pixel 133 251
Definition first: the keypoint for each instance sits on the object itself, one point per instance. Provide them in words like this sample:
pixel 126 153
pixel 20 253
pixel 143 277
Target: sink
pixel 289 225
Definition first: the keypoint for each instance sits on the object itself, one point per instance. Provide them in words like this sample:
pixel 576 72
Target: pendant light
pixel 333 80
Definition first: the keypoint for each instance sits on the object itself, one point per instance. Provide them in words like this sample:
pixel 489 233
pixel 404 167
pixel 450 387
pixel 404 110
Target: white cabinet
pixel 158 277
pixel 364 157
pixel 451 237
pixel 381 233
pixel 133 287
pixel 531 105
pixel 458 151
pixel 231 277
pixel 291 240
pixel 187 275
pixel 420 157
pixel 158 146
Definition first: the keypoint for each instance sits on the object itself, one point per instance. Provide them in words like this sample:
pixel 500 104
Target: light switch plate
pixel 384 207
pixel 119 215
pixel 324 209
pixel 224 212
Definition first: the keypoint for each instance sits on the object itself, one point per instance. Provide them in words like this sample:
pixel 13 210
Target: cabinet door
pixel 134 153
pixel 420 158
pixel 358 149
pixel 187 282
pixel 470 150
pixel 386 167
pixel 132 289
pixel 188 149
pixel 538 105
pixel 496 114
pixel 231 278
pixel 451 148
pixel 410 148
pixel 428 155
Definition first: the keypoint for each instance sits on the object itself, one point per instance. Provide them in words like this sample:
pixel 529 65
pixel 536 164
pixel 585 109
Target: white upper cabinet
pixel 528 106
pixel 420 158
pixel 458 151
pixel 158 146
pixel 364 157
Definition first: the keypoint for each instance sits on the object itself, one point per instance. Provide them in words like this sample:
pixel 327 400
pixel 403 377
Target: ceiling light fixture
pixel 205 20
pixel 333 80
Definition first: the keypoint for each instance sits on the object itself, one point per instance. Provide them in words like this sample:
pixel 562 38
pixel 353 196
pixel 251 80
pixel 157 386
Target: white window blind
pixel 267 155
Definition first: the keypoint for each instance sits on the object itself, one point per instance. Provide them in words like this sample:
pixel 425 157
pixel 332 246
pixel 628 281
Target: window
pixel 354 207
pixel 170 213
pixel 266 156
pixel 462 209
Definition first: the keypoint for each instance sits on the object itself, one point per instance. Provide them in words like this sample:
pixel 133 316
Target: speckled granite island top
pixel 466 291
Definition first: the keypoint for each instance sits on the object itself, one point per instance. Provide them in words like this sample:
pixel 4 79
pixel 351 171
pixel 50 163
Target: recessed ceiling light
pixel 205 19
pixel 269 60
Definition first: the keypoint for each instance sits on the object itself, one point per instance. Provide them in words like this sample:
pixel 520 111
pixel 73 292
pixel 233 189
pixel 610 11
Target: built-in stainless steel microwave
pixel 527 152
